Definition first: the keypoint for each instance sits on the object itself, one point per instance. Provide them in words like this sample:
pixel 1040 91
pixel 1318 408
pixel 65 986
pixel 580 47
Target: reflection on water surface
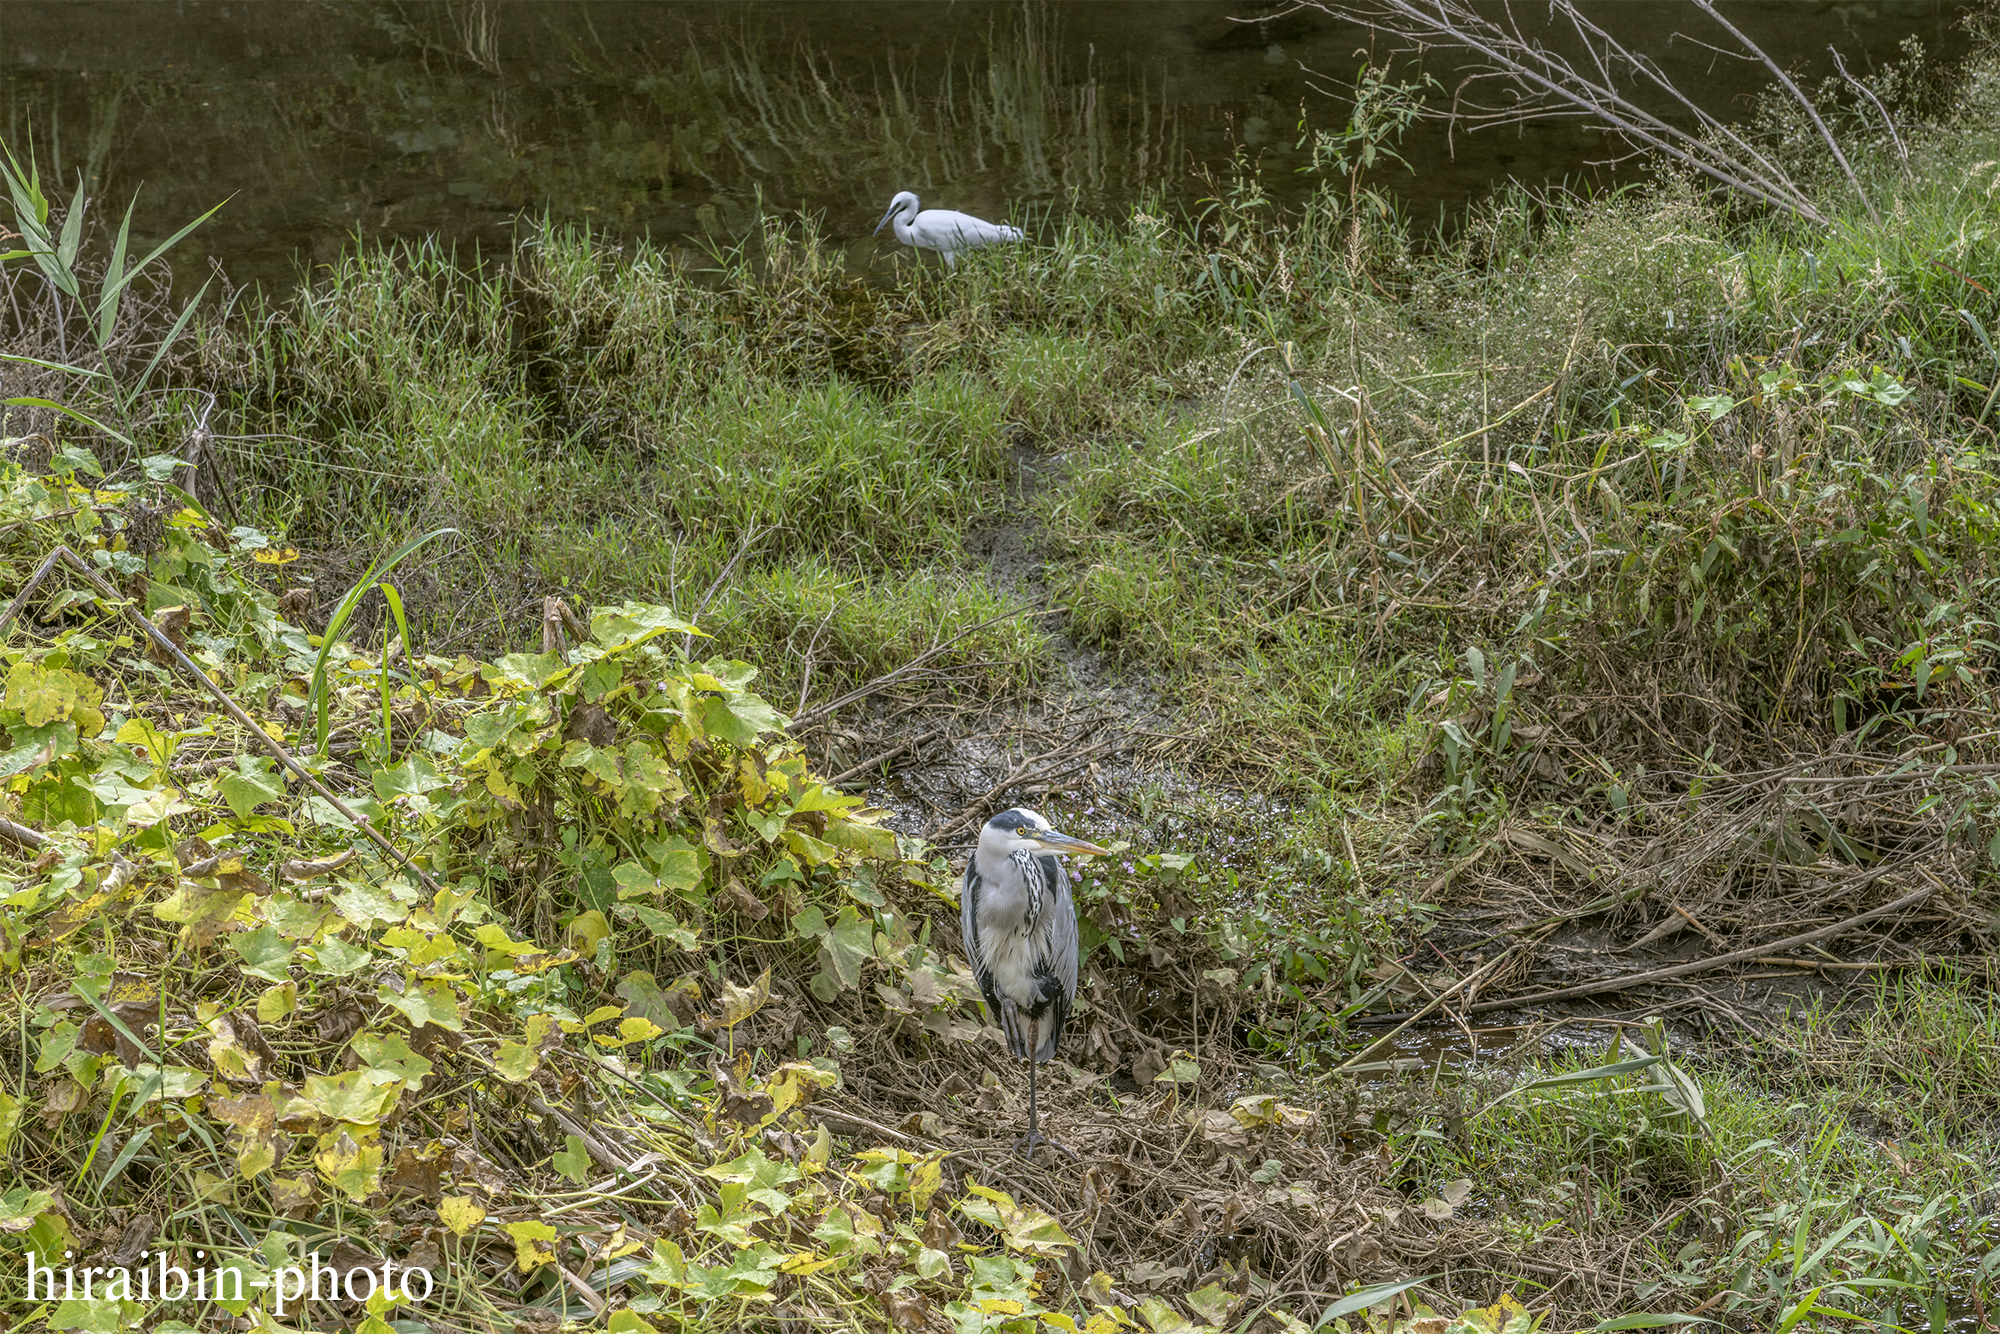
pixel 324 119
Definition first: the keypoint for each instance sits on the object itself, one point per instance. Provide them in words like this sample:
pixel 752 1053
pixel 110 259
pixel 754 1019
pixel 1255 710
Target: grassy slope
pixel 1611 487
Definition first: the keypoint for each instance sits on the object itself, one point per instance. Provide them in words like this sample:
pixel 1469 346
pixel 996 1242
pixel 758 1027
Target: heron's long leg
pixel 1033 1134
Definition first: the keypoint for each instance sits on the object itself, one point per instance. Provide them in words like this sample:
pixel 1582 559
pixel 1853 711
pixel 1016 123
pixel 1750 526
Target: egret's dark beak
pixel 1051 840
pixel 885 220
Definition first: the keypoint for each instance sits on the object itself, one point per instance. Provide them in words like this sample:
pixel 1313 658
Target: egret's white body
pixel 942 229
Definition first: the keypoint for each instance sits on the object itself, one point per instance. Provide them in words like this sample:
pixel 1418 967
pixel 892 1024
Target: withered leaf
pixel 743 903
pixel 132 1241
pixel 295 1197
pixel 418 1171
pixel 939 1233
pixel 299 871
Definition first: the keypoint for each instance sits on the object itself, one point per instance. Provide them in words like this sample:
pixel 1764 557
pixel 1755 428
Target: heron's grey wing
pixel 968 924
pixel 1059 967
pixel 1063 935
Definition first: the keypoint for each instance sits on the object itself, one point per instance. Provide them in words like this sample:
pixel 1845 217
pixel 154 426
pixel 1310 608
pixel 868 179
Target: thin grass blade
pixel 115 279
pixel 166 343
pixel 345 609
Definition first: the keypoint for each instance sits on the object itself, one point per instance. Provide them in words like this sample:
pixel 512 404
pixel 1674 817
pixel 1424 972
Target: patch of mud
pixel 1087 738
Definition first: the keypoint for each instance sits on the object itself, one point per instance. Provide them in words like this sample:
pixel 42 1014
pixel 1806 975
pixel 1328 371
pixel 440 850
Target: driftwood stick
pixel 21 834
pixel 34 580
pixel 1754 952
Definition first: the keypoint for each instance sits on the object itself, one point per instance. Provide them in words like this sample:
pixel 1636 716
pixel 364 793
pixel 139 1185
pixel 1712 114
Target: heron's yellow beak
pixel 1050 840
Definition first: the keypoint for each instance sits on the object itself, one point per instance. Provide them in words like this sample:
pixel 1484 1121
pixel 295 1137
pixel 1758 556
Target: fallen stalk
pixel 21 834
pixel 1046 766
pixel 887 679
pixel 911 746
pixel 1484 969
pixel 1703 965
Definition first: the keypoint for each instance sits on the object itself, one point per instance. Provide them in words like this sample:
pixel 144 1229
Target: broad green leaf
pixel 573 1163
pixel 494 937
pixel 264 952
pixel 412 778
pixel 847 945
pixel 20 1206
pixel 739 721
pixel 368 905
pixel 350 1158
pixel 866 839
pixel 255 781
pixel 460 1213
pixel 351 1096
pixel 1024 1227
pixel 586 929
pixel 277 1002
pixel 532 1248
pixel 336 958
pixel 516 1061
pixel 621 627
pixel 667 927
pixel 429 1001
pixel 387 1059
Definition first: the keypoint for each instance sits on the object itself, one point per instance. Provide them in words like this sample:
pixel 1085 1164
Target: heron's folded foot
pixel 1028 1143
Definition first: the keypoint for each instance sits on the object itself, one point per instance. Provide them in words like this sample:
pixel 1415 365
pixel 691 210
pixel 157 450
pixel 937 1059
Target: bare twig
pixel 1888 121
pixel 742 549
pixel 21 834
pixel 1367 1052
pixel 34 581
pixel 904 672
pixel 1043 766
pixel 911 745
pixel 1550 85
pixel 1703 965
pixel 1805 103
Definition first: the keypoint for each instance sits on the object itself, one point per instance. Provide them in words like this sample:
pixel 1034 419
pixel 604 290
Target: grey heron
pixel 1020 935
pixel 941 229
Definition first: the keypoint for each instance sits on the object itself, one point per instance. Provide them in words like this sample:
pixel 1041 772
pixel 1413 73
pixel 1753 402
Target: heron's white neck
pixel 903 224
pixel 991 862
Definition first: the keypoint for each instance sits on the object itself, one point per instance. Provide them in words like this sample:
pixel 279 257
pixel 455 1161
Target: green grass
pixel 1543 524
pixel 1877 1114
pixel 1512 403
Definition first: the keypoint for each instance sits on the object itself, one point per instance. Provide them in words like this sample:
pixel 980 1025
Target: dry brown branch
pixel 21 834
pixel 902 673
pixel 1047 765
pixel 1702 965
pixel 1607 84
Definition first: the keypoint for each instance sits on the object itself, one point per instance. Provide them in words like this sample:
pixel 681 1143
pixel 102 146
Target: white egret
pixel 942 229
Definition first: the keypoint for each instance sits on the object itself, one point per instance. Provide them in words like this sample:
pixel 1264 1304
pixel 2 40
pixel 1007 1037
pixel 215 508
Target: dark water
pixel 321 119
